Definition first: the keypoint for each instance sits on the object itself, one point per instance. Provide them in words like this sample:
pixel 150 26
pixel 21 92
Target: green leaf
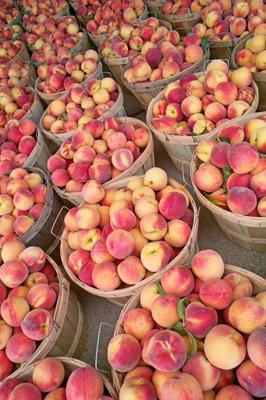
pixel 224 139
pixel 205 43
pixel 193 345
pixel 181 306
pixel 179 328
pixel 226 173
pixel 160 289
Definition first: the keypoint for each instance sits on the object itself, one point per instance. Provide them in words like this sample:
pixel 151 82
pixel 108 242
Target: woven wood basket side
pixel 247 232
pixel 70 365
pixel 181 148
pixel 48 97
pixel 181 23
pixel 259 77
pixel 145 92
pixel 21 55
pixel 39 156
pixel 62 137
pixel 36 110
pixel 259 285
pixel 139 167
pixel 124 293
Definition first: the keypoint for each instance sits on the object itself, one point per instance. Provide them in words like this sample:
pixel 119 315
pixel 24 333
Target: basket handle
pixel 64 208
pixel 102 327
pixel 207 62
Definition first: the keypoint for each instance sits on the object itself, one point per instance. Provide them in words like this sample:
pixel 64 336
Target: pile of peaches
pixel 233 172
pixel 80 105
pixel 16 144
pixel 133 39
pixel 197 334
pixel 253 55
pixel 162 61
pixel 46 7
pixel 196 104
pixel 50 379
pixel 58 77
pixel 14 75
pixel 86 8
pixel 28 295
pixel 22 201
pixel 99 151
pixel 8 12
pixel 113 14
pixel 12 32
pixel 15 102
pixel 9 49
pixel 119 237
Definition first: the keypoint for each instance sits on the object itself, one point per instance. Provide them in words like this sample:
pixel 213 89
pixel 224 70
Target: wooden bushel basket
pixel 247 232
pixel 60 138
pixel 222 50
pixel 36 110
pixel 122 295
pixel 70 365
pixel 21 55
pixel 259 77
pixel 145 92
pixel 139 167
pixel 181 148
pixel 259 285
pixel 49 97
pixel 39 156
pixel 182 23
pixel 67 326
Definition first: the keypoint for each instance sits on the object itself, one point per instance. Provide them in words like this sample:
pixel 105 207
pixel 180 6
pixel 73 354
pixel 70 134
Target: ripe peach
pixel 246 314
pixel 241 77
pixel 148 295
pixel 215 112
pixel 231 392
pixel 131 271
pixel 122 159
pixel 164 310
pixel 207 265
pixel 84 382
pixel 225 93
pixel 13 273
pixel 48 374
pixel 216 293
pixel 241 200
pixel 178 233
pixel 13 310
pixel 240 285
pixel 234 133
pixel 137 322
pixel 123 219
pixel 237 108
pixel 137 388
pixel 191 105
pixel 139 240
pixel 41 296
pixel 77 259
pixel 123 352
pixel 208 178
pixel 155 178
pixel 34 279
pixel 261 208
pixel 256 347
pixel 221 337
pixel 201 369
pixel 6 388
pixel 105 277
pixel 120 244
pixel 26 391
pixel 139 372
pixel 178 281
pixel 34 258
pixel 258 184
pixel 88 217
pixel 199 319
pixel 57 394
pixel 140 192
pixel 238 180
pixel 184 385
pixel 155 255
pixel 252 378
pixel 153 226
pixel 20 348
pixel 173 205
pixel 5 334
pixel 219 154
pixel 213 78
pixel 37 324
pixel 145 206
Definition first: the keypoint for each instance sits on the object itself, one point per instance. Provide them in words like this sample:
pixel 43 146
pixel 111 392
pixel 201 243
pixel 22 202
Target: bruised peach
pixel 123 352
pixel 199 319
pixel 37 324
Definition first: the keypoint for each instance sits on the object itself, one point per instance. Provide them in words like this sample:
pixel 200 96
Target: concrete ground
pixel 99 312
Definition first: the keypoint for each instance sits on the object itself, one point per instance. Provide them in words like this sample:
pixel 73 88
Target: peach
pixel 139 372
pixel 159 378
pixel 13 310
pixel 5 334
pixel 243 57
pixel 105 277
pixel 193 53
pixel 215 112
pixel 123 219
pixel 164 310
pixel 241 77
pixel 87 238
pixel 120 244
pixel 131 270
pixel 153 226
pixel 34 279
pixel 246 314
pixel 56 162
pixel 23 224
pixel 240 285
pixel 219 154
pixel 178 281
pixel 88 217
pixel 234 134
pixel 48 374
pixel 20 348
pixel 204 150
pixel 191 105
pixel 178 233
pixel 140 192
pixel 207 264
pixel 34 258
pixel 137 322
pixel 237 108
pixel 155 255
pixel 85 273
pixel 261 208
pixel 57 394
pixel 252 378
pixel 6 388
pixel 23 199
pixel 146 205
pixel 241 200
pixel 84 382
pixel 213 78
pixel 221 337
pixel 216 293
pixel 208 178
pixel 124 352
pixel 256 347
pixel 238 180
pixel 183 386
pixel 173 205
pixel 41 296
pixel 122 159
pixel 257 184
pixel 231 392
pixel 199 319
pixel 13 273
pixel 201 369
pixel 148 295
pixel 227 377
pixel 26 391
pixel 77 259
pixel 137 388
pixel 6 224
pixel 100 253
pixel 167 351
pixel 60 177
pixel 37 324
pixel 6 204
pixel 225 93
